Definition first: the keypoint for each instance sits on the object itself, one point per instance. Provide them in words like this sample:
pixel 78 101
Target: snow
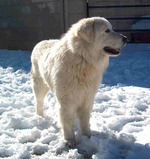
pixel 142 24
pixel 120 120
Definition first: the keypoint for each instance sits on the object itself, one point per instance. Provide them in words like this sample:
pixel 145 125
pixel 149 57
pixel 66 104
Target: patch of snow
pixel 120 120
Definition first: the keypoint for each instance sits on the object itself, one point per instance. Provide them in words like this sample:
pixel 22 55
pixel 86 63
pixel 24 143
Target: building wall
pixel 74 11
pixel 23 23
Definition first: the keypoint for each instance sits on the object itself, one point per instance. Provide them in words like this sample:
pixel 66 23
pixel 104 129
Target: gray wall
pixel 23 23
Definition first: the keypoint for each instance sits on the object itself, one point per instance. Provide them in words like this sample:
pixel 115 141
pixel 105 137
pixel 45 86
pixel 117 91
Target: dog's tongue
pixel 118 50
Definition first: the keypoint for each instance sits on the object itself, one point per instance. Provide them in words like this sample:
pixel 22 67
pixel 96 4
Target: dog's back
pixel 40 51
pixel 41 48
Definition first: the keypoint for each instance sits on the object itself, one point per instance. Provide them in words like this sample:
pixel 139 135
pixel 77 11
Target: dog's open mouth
pixel 111 50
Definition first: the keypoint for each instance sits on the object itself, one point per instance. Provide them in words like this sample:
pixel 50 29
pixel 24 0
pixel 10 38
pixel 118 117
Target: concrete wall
pixel 23 23
pixel 74 11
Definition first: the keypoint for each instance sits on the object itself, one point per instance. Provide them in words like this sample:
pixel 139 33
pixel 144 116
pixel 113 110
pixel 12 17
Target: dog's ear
pixel 86 30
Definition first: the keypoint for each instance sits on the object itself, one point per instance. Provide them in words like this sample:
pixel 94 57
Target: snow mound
pixel 120 120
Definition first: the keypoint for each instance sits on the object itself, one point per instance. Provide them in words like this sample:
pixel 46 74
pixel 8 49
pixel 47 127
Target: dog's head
pixel 99 31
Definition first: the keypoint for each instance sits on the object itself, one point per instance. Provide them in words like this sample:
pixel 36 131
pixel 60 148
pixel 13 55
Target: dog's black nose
pixel 125 39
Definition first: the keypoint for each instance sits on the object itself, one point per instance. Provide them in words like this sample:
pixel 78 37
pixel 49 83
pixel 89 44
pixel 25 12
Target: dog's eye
pixel 107 31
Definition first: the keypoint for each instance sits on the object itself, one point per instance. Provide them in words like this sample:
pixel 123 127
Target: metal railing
pixel 145 32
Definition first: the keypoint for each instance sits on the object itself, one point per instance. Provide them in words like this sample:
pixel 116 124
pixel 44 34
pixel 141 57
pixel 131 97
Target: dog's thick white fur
pixel 72 69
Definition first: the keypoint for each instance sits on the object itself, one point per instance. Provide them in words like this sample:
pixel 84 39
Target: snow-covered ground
pixel 120 120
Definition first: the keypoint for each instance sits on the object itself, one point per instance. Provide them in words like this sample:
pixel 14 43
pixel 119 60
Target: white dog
pixel 72 69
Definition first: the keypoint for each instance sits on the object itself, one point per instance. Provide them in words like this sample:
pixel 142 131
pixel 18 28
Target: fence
pixel 131 18
pixel 23 23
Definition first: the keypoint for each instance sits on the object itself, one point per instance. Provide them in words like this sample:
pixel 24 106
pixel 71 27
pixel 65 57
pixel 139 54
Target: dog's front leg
pixel 84 113
pixel 66 115
pixel 84 119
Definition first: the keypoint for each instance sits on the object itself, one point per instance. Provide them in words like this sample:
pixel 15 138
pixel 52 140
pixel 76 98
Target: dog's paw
pixel 87 133
pixel 71 143
pixel 40 114
pixel 47 117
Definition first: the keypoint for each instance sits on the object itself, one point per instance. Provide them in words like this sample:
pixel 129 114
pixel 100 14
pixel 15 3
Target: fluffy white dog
pixel 72 69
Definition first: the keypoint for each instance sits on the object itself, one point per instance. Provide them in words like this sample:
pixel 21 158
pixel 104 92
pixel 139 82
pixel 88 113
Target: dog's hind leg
pixel 40 90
